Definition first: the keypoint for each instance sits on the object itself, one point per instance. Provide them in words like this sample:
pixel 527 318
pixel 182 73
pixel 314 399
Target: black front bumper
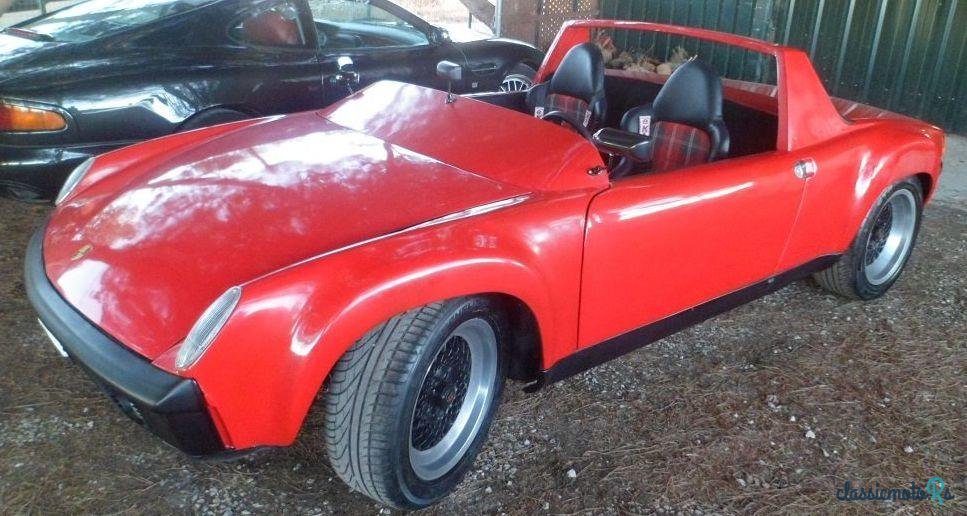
pixel 37 173
pixel 170 406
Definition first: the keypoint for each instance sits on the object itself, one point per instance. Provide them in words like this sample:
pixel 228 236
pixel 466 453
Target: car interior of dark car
pixel 347 25
pixel 271 28
pixel 342 36
pixel 647 122
pixel 282 28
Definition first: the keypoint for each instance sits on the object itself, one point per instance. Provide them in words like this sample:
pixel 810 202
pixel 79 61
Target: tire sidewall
pixel 864 289
pixel 419 492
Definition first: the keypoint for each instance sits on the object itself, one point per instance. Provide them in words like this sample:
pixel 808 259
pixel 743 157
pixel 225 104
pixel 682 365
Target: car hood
pixel 142 253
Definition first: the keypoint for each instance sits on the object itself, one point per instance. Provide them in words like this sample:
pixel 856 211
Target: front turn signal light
pixel 207 328
pixel 22 119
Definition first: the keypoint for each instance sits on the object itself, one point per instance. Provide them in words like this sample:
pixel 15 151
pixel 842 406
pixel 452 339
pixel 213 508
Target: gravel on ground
pixel 768 408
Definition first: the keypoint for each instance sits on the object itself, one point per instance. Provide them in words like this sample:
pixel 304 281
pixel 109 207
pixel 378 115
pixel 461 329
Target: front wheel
pixel 877 257
pixel 410 404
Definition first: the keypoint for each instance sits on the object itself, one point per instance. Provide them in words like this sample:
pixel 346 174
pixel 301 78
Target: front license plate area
pixel 54 341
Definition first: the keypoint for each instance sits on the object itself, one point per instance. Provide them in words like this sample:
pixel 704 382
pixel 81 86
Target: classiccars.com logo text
pixel 935 490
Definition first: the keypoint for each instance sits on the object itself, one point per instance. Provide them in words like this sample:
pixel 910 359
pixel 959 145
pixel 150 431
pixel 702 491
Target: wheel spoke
pixel 515 83
pixel 454 399
pixel 442 394
pixel 890 238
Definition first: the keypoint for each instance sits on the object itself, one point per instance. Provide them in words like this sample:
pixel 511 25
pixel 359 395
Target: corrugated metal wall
pixel 904 55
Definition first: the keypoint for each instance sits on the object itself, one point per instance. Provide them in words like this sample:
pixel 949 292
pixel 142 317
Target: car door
pixel 661 243
pixel 378 41
pixel 271 58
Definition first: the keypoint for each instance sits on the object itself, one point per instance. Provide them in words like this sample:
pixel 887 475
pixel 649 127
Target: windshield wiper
pixel 28 34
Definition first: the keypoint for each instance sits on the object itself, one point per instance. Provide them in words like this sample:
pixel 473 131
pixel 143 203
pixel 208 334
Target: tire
pixel 519 78
pixel 210 117
pixel 25 194
pixel 873 264
pixel 391 396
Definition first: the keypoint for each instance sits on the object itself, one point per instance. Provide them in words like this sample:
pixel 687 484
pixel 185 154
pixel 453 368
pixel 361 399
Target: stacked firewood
pixel 639 61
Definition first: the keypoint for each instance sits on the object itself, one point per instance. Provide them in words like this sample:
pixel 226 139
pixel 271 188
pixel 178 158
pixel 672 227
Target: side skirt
pixel 615 347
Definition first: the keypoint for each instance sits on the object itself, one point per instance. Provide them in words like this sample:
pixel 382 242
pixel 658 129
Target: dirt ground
pixel 769 408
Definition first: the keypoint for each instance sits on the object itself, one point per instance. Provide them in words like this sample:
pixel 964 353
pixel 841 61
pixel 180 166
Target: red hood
pixel 142 261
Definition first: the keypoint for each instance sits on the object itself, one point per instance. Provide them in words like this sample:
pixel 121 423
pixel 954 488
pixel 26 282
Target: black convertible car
pixel 104 74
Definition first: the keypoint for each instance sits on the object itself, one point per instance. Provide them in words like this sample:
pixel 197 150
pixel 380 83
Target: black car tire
pixel 519 78
pixel 899 210
pixel 25 194
pixel 396 426
pixel 214 116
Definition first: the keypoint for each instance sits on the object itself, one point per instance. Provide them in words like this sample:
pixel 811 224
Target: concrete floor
pixel 953 182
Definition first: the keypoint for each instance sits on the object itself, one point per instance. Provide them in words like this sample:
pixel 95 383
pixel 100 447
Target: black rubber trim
pixel 615 347
pixel 170 406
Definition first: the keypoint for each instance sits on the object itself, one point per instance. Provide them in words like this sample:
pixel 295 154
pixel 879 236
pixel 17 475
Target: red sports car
pixel 404 251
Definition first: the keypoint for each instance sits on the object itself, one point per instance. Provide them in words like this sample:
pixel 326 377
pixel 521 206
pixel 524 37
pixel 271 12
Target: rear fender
pixel 854 172
pixel 917 153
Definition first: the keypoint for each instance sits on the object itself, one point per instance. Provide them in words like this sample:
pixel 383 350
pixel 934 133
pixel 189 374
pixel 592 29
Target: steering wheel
pixel 563 119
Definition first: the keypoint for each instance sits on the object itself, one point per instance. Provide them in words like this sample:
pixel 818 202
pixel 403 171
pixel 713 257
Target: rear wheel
pixel 520 78
pixel 881 250
pixel 410 404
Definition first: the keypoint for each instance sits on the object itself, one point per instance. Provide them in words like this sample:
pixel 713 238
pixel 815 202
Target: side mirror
pixel 450 72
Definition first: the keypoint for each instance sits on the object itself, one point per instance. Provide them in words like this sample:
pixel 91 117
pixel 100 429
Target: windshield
pixel 97 18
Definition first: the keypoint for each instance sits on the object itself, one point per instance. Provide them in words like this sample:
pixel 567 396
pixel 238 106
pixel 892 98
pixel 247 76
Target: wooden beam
pixel 481 10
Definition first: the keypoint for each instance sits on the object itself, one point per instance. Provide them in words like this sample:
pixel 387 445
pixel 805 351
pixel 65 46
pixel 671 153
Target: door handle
pixel 484 68
pixel 806 168
pixel 346 74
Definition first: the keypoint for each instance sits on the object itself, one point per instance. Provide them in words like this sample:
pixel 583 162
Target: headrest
pixel 581 73
pixel 692 95
pixel 271 28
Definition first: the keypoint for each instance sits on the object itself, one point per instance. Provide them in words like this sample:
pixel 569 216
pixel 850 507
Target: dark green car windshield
pixel 96 18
